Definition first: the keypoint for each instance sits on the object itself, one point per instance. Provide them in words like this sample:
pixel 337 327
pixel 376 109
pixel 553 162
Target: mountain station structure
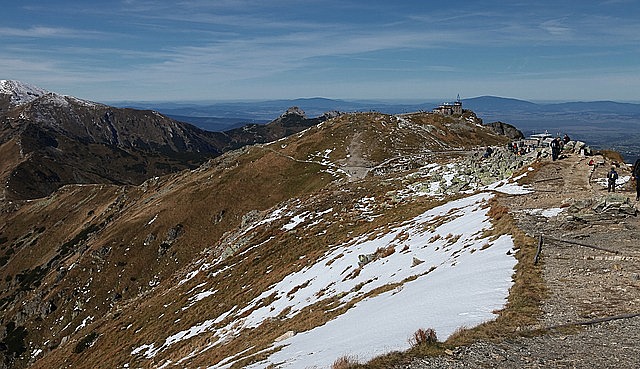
pixel 447 108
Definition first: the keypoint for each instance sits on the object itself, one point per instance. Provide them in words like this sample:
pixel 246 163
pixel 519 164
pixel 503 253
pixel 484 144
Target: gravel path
pixel 584 284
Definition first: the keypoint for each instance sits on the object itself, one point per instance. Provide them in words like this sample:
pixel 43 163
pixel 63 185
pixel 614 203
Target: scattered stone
pixel 284 336
pixel 364 259
pixel 149 239
pixel 577 147
pixel 609 207
pixel 172 235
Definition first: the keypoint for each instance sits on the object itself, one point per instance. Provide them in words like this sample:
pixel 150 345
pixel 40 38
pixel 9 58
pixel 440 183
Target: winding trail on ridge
pixel 586 287
pixel 583 283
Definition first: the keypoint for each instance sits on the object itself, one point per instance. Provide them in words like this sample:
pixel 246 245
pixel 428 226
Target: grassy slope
pixel 106 254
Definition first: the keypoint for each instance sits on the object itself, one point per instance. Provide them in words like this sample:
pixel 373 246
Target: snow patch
pixel 21 93
pixel 604 182
pixel 547 213
pixel 152 220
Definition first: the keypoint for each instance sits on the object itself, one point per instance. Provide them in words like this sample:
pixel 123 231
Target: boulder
pixel 506 129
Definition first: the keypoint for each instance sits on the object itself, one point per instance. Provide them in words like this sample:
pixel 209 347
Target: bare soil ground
pixel 356 165
pixel 585 285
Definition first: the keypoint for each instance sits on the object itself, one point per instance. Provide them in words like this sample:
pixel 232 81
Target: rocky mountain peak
pixel 294 110
pixel 20 92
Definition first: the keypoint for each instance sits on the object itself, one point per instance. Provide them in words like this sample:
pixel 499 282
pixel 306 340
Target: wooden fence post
pixel 535 259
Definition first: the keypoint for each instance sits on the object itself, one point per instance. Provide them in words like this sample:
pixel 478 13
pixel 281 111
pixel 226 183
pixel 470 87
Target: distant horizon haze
pixel 433 100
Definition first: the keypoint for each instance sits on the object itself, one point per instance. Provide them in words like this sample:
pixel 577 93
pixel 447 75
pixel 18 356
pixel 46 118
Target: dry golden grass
pixel 529 178
pixel 434 238
pixel 384 252
pixel 423 337
pixel 345 362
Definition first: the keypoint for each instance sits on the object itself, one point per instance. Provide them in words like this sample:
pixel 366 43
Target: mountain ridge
pixel 108 256
pixel 21 92
pixel 605 125
pixel 503 103
pixel 54 140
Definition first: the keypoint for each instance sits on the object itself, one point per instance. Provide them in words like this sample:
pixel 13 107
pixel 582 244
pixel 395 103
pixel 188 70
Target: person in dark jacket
pixel 555 148
pixel 487 152
pixel 612 176
pixel 635 174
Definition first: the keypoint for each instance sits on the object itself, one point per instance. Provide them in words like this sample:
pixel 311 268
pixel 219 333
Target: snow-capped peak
pixel 21 93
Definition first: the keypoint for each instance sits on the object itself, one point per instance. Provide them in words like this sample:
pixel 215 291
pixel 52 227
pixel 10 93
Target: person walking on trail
pixel 612 176
pixel 555 148
pixel 635 174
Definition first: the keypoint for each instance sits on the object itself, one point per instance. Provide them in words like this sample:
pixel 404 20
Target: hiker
pixel 566 138
pixel 488 152
pixel 635 174
pixel 555 148
pixel 612 176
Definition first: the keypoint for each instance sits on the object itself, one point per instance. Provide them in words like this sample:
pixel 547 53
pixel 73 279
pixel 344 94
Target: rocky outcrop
pixel 609 207
pixel 294 110
pixel 474 171
pixel 172 235
pixel 506 129
pixel 292 121
pixel 577 147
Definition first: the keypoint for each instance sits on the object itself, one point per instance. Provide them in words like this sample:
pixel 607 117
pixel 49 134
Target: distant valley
pixel 603 124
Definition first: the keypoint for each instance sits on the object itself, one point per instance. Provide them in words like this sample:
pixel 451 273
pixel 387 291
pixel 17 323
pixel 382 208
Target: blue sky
pixel 257 49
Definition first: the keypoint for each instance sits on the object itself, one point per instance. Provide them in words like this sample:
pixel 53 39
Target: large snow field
pixel 462 279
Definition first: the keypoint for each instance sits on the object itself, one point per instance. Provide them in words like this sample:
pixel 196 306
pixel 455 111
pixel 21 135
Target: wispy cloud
pixel 49 32
pixel 20 66
pixel 617 2
pixel 556 27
